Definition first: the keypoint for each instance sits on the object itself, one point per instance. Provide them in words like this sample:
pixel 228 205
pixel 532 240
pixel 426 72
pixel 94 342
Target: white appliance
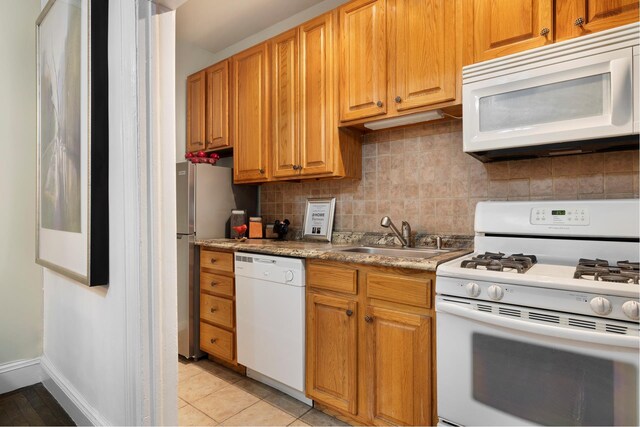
pixel 270 318
pixel 580 95
pixel 549 336
pixel 205 196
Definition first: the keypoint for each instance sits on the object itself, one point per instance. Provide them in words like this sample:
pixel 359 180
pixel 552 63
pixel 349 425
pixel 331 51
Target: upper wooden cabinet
pixel 284 104
pixel 576 18
pixel 398 57
pixel 500 27
pixel 363 59
pixel 196 111
pixel 306 141
pixel 422 53
pixel 503 27
pixel 217 106
pixel 250 114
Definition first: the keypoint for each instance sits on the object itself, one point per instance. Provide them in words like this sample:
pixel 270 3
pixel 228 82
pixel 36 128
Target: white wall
pixel 280 27
pixel 20 276
pixel 86 329
pixel 189 59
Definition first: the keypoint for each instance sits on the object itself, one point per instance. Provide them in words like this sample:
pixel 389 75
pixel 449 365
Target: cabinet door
pixel 422 52
pixel 399 358
pixel 363 62
pixel 195 111
pixel 217 106
pixel 576 18
pixel 502 27
pixel 284 104
pixel 317 82
pixel 250 114
pixel 332 351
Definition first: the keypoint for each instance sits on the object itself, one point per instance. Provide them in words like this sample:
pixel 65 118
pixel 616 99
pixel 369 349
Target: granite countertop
pixel 326 251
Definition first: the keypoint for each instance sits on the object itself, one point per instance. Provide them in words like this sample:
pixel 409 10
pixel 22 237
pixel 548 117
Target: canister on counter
pixel 255 227
pixel 238 218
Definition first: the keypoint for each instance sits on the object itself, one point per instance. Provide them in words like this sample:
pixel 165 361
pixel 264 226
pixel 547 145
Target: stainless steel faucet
pixel 404 237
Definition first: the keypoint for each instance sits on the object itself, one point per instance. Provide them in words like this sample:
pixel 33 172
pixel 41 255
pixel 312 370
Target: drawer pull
pixel 349 313
pixel 213 260
pixel 368 319
pixel 213 340
pixel 213 310
pixel 214 283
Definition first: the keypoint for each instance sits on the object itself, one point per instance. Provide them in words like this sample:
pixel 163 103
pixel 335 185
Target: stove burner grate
pixel 493 261
pixel 600 270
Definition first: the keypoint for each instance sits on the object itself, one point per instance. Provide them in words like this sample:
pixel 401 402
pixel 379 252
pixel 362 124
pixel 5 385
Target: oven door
pixel 495 370
pixel 586 98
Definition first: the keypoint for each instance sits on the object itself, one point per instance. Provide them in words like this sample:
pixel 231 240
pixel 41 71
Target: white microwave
pixel 576 96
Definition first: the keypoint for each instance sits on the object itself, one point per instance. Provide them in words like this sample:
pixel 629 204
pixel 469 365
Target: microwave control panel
pixel 560 216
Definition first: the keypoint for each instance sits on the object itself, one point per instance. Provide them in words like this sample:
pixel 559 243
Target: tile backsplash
pixel 420 174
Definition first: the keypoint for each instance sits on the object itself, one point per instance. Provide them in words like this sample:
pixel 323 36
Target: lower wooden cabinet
pixel 398 350
pixel 217 305
pixel 332 350
pixel 370 353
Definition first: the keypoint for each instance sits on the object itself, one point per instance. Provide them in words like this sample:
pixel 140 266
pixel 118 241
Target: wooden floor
pixel 32 406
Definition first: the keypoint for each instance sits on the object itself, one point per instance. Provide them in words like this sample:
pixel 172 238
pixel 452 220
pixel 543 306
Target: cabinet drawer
pixel 216 310
pixel 400 289
pixel 222 285
pixel 222 261
pixel 333 277
pixel 216 341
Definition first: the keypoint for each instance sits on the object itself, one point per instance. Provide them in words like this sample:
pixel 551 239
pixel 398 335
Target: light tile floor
pixel 210 395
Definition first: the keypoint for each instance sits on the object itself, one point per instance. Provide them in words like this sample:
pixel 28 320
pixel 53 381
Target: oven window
pixel 553 387
pixel 568 100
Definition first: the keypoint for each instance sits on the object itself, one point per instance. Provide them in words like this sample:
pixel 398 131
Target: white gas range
pixel 540 324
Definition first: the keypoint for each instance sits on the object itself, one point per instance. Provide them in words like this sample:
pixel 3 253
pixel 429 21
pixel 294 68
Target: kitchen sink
pixel 396 252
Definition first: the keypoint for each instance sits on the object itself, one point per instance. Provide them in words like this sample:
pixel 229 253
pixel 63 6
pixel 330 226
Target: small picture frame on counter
pixel 318 218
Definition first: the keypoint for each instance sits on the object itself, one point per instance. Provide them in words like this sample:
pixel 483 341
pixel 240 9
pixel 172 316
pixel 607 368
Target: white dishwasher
pixel 270 318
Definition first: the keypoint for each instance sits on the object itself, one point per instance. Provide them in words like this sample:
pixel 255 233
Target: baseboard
pixel 80 411
pixel 18 374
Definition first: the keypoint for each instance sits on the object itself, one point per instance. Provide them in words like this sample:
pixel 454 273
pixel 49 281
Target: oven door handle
pixel 535 328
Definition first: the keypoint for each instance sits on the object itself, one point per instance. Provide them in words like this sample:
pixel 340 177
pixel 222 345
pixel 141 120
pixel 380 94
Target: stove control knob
pixel 473 290
pixel 601 306
pixel 631 309
pixel 288 276
pixel 495 292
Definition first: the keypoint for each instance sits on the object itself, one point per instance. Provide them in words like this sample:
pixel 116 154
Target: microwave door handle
pixel 538 329
pixel 621 75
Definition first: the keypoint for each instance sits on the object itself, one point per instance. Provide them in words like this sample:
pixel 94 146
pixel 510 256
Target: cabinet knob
pixel 214 283
pixel 213 310
pixel 379 104
pixel 349 313
pixel 368 319
pixel 213 340
pixel 579 22
pixel 544 32
pixel 398 99
pixel 213 260
pixel 261 171
pixel 297 167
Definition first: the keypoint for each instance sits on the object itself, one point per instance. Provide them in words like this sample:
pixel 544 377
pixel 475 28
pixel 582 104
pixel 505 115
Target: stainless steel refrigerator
pixel 205 197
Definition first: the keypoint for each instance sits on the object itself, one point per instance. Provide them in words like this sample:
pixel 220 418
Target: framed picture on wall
pixel 318 218
pixel 72 217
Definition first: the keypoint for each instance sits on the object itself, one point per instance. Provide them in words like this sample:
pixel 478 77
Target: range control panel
pixel 560 216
